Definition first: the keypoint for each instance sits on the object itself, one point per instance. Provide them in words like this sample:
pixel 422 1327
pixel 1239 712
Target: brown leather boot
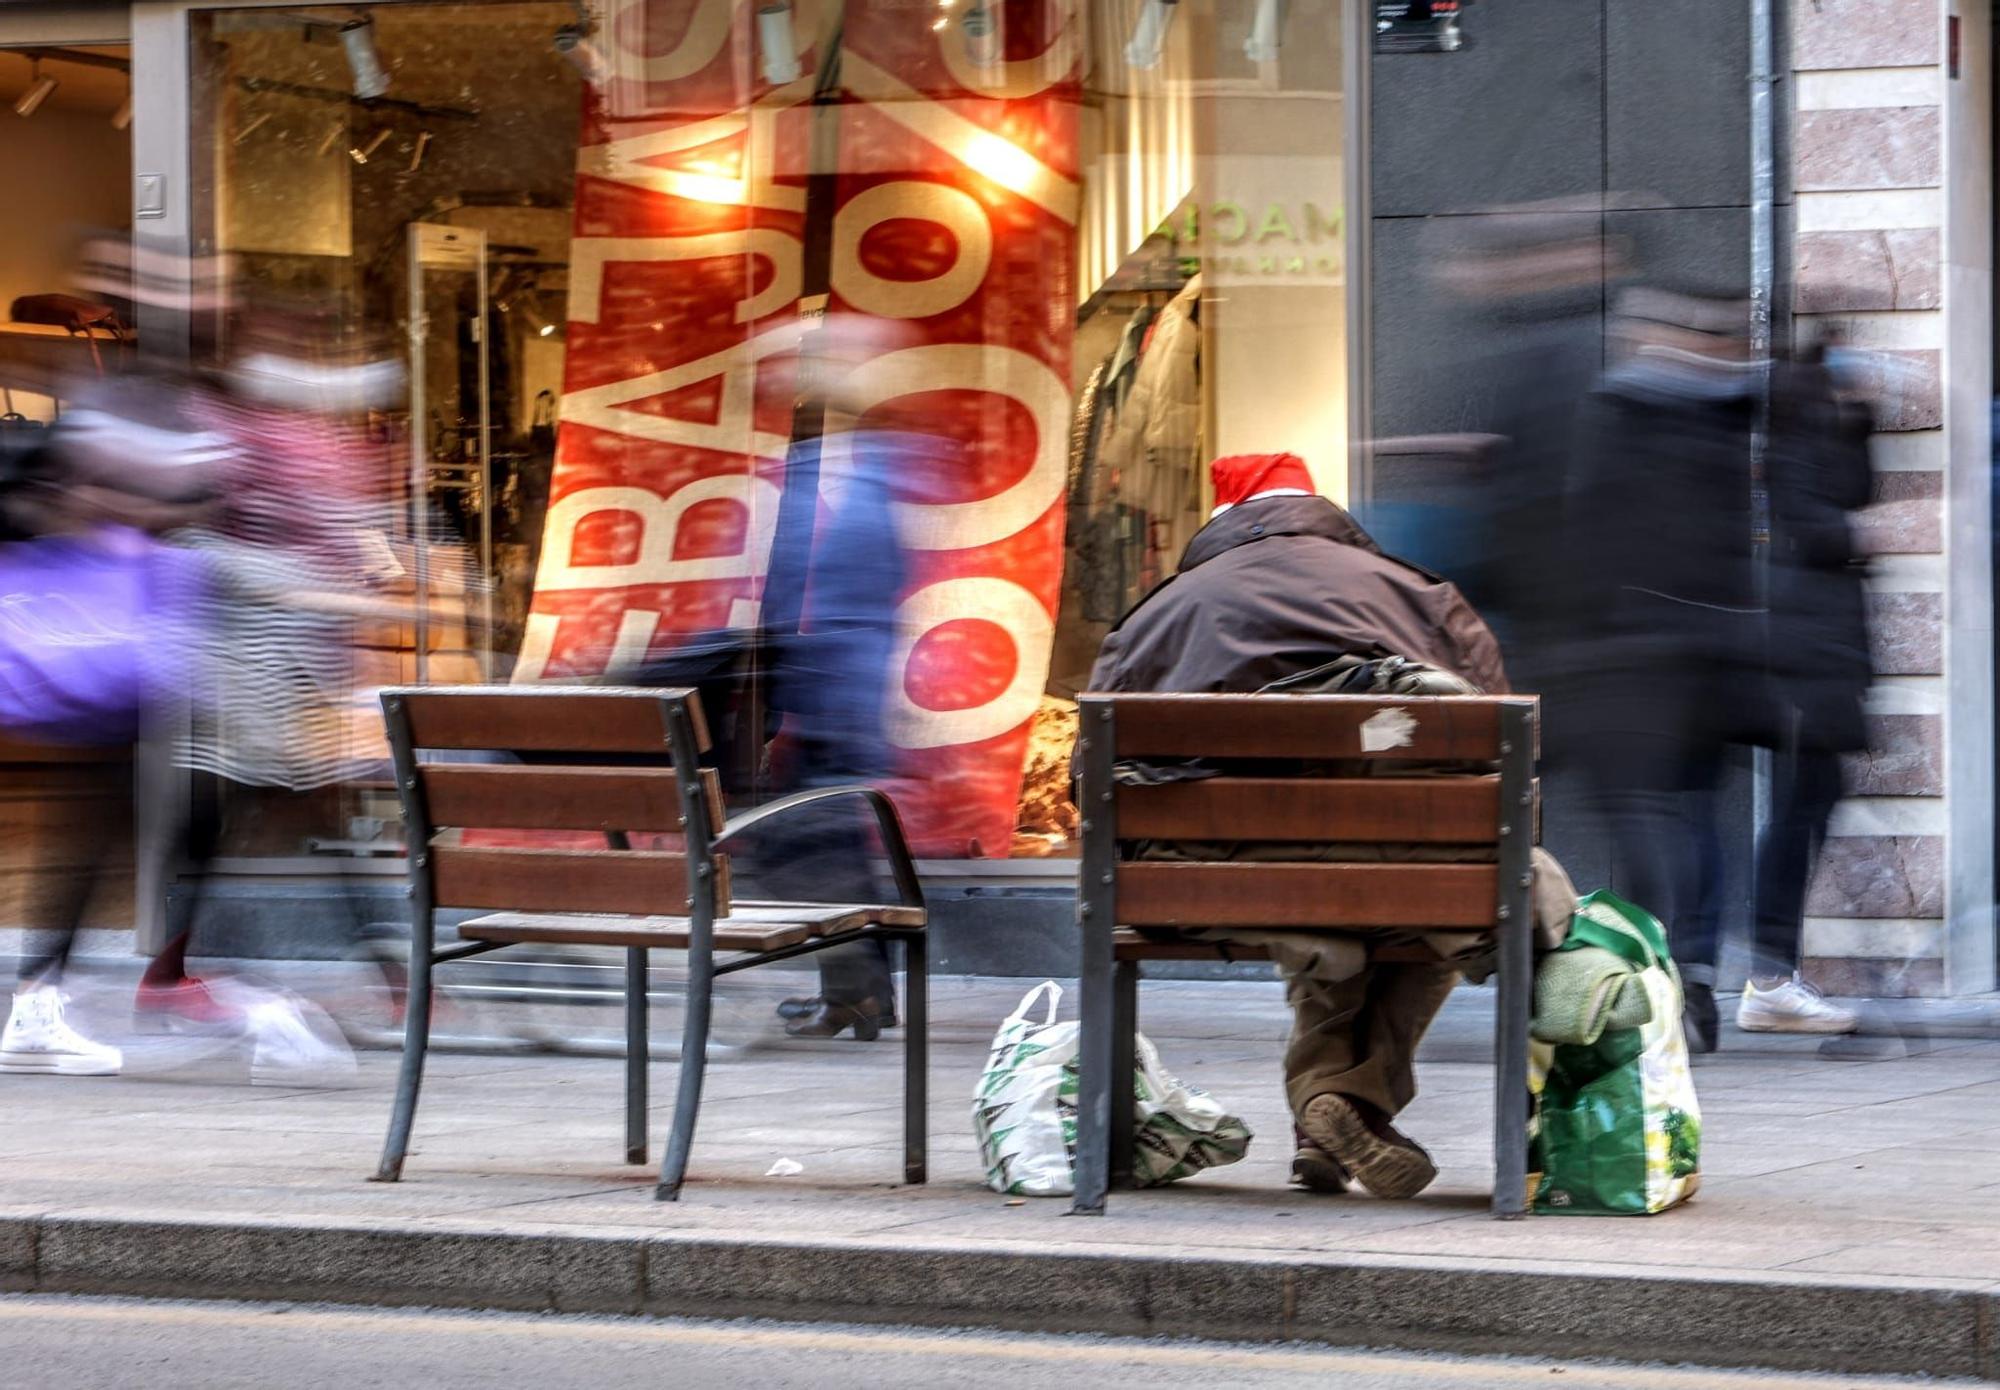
pixel 1381 1158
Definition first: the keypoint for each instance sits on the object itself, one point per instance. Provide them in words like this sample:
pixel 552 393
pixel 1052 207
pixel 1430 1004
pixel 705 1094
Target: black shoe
pixel 806 1006
pixel 867 1019
pixel 1699 1020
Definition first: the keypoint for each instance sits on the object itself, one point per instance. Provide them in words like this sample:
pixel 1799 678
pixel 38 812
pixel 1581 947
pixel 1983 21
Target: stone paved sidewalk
pixel 1819 1174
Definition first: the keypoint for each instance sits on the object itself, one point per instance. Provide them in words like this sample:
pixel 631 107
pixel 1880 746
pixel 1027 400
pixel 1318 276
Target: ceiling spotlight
pixel 121 119
pixel 1266 32
pixel 1150 34
pixel 38 92
pixel 573 42
pixel 371 79
pixel 984 42
pixel 537 320
pixel 779 50
pixel 360 153
pixel 417 153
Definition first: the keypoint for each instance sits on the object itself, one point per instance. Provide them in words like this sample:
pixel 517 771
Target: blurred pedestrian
pixel 1667 625
pixel 824 651
pixel 1818 476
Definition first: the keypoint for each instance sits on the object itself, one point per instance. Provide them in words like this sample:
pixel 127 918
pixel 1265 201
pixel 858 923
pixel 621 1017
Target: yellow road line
pixel 915 1342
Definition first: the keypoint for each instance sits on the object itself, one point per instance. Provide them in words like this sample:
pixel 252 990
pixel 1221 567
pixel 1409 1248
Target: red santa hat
pixel 1243 477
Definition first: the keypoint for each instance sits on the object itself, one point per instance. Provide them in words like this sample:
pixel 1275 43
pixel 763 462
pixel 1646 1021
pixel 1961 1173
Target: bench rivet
pixel 1105 796
pixel 1503 914
pixel 1527 880
pixel 1506 747
pixel 1526 799
pixel 1083 909
pixel 1105 715
pixel 1086 825
pixel 1506 829
pixel 1108 878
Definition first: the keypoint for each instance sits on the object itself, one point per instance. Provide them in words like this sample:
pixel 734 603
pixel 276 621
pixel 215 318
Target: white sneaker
pixel 288 1051
pixel 1792 1007
pixel 38 1040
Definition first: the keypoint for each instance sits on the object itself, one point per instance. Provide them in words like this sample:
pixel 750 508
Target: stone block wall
pixel 1868 171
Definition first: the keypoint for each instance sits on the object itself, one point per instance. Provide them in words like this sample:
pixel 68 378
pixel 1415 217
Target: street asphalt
pixel 85 1344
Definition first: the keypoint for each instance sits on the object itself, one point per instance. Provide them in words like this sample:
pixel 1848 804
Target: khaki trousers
pixel 1357 1033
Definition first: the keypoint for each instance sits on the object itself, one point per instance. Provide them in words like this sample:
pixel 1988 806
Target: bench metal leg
pixel 694 1061
pixel 1517 964
pixel 1124 1065
pixel 416 1041
pixel 1096 1086
pixel 1510 1075
pixel 637 1054
pixel 916 1056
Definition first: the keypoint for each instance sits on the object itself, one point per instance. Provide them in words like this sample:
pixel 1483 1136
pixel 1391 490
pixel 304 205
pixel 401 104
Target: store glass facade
pixel 1096 243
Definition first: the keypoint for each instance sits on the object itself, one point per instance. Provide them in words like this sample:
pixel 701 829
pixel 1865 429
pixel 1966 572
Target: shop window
pixel 1107 238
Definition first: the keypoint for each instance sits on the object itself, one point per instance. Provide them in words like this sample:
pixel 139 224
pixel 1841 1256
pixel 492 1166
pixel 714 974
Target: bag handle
pixel 1605 920
pixel 1048 989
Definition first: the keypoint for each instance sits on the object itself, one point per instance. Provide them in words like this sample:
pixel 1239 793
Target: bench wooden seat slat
pixel 748 927
pixel 617 929
pixel 1416 897
pixel 1439 811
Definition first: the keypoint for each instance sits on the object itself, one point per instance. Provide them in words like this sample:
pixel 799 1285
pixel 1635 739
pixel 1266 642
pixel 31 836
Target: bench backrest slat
pixel 1435 728
pixel 641 882
pixel 1404 810
pixel 545 719
pixel 1411 896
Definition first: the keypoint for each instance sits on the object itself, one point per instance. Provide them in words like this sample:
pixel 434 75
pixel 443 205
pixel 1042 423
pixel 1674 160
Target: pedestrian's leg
pixel 61 879
pixel 168 997
pixel 1805 788
pixel 1696 929
pixel 38 1037
pixel 1776 1000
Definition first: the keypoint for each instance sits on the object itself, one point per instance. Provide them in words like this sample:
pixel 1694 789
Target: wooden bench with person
pixel 1278 816
pixel 620 763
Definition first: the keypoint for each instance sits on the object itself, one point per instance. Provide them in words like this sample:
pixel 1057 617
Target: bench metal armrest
pixel 886 821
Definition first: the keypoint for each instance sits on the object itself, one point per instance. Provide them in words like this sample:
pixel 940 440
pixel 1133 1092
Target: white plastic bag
pixel 1024 1112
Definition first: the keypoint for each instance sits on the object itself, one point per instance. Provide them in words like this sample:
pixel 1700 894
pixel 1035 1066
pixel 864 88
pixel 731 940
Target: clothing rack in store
pixel 1105 293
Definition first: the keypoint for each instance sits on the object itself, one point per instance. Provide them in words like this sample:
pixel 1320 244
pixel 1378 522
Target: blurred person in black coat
pixel 1818 476
pixel 1667 626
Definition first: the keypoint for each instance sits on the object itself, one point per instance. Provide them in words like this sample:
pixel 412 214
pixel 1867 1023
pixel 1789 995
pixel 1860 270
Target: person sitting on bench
pixel 1282 588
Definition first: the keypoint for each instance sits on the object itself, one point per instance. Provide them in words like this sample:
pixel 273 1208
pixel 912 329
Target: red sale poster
pixel 952 145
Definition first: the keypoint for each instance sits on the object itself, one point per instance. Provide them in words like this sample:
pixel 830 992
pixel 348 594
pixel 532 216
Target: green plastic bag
pixel 1617 1127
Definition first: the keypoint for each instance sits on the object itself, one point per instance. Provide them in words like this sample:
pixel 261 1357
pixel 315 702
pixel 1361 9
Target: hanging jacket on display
pixel 1154 447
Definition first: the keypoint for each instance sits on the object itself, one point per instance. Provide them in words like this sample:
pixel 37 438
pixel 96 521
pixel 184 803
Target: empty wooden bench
pixel 1368 771
pixel 617 763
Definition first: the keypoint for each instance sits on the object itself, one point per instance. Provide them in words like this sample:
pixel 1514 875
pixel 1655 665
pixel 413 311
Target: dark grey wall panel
pixel 1516 117
pixel 1677 103
pixel 1694 250
pixel 1431 346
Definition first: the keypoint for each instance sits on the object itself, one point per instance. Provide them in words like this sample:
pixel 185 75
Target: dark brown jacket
pixel 1274 587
